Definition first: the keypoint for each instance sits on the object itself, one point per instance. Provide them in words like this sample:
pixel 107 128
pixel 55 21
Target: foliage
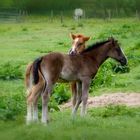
pixel 115 110
pixel 121 69
pixel 12 105
pixel 103 78
pixel 8 71
pixel 94 8
pixel 61 93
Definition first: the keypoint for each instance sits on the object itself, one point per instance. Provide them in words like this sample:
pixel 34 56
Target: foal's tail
pixel 27 75
pixel 36 68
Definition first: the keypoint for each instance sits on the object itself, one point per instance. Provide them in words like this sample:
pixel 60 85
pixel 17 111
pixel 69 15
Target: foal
pixel 34 91
pixel 78 46
pixel 80 68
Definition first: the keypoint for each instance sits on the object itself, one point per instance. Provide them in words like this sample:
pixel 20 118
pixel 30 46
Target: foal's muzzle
pixel 71 52
pixel 123 61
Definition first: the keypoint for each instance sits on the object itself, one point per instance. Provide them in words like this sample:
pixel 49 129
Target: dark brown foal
pixel 78 45
pixel 80 68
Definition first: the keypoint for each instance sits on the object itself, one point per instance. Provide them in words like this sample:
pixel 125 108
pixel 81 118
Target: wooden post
pixel 51 15
pixel 104 13
pixel 61 16
pixel 109 14
pixel 117 13
pixel 137 14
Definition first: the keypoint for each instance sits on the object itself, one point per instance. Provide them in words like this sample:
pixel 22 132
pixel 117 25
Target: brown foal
pixel 78 46
pixel 80 68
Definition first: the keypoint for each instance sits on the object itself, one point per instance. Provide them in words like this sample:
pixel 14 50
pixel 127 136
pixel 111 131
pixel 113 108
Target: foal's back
pixel 67 67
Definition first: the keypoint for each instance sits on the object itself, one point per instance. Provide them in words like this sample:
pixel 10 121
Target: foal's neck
pixel 99 55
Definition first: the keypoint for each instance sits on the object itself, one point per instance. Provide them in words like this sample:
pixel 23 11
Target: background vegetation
pixel 93 8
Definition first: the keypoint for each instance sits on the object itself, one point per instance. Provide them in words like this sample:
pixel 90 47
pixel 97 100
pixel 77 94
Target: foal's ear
pixel 72 36
pixel 86 38
pixel 111 38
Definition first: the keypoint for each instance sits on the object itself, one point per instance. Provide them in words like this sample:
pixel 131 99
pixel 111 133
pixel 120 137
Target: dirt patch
pixel 128 99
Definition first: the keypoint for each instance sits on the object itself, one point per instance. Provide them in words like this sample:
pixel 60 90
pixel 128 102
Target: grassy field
pixel 99 124
pixel 21 43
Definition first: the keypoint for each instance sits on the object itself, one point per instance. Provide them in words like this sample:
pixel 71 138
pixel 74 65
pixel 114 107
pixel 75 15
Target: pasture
pixel 21 43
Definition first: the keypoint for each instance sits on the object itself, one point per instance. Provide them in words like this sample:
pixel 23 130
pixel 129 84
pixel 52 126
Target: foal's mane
pixel 95 45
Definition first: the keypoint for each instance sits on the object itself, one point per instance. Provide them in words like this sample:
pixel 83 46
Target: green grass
pixel 121 126
pixel 21 43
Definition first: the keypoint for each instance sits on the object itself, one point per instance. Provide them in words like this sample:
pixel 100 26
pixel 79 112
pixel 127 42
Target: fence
pixel 11 14
pixel 14 14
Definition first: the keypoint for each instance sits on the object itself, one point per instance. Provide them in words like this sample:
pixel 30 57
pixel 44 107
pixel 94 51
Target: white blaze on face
pixel 122 51
pixel 74 45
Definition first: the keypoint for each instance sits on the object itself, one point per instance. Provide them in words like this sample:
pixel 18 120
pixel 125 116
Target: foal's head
pixel 78 44
pixel 116 52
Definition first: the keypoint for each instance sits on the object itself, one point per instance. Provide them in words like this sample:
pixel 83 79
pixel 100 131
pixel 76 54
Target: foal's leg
pixel 29 105
pixel 38 91
pixel 45 100
pixel 29 111
pixel 32 101
pixel 78 100
pixel 74 94
pixel 35 107
pixel 85 88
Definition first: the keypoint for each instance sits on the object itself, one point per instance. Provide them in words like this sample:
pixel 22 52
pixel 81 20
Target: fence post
pixel 61 16
pixel 137 14
pixel 109 14
pixel 117 13
pixel 51 15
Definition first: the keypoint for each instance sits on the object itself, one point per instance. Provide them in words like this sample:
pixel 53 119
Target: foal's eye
pixel 118 49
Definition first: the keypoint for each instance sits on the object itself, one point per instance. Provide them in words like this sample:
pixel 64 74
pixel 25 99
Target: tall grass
pixel 9 71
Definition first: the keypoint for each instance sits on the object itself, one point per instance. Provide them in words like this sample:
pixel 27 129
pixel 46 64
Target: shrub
pixel 121 69
pixel 61 93
pixel 11 106
pixel 114 110
pixel 134 55
pixel 104 77
pixel 10 71
pixel 53 105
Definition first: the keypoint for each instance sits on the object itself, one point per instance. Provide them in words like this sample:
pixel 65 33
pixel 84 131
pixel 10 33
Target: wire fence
pixel 14 14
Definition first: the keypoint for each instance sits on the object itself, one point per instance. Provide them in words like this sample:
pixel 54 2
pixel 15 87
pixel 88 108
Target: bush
pixel 53 105
pixel 104 77
pixel 10 71
pixel 114 110
pixel 121 69
pixel 61 93
pixel 11 106
pixel 134 55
